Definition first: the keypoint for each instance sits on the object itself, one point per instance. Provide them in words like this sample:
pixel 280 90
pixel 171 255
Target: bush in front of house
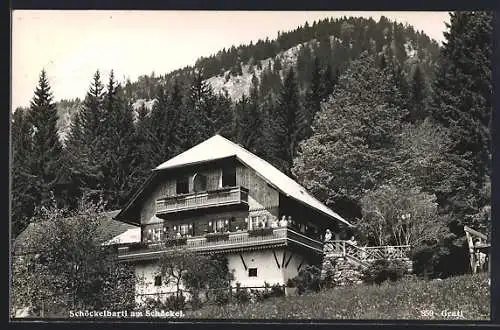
pixel 308 280
pixel 221 297
pixel 441 259
pixel 277 290
pixel 382 270
pixel 175 302
pixel 242 295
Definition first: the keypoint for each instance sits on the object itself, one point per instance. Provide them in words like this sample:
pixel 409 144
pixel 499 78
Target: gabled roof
pixel 218 147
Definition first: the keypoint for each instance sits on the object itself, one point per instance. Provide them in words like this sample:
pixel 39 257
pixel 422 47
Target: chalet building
pixel 218 197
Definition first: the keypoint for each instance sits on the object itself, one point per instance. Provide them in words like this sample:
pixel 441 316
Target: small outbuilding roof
pixel 108 228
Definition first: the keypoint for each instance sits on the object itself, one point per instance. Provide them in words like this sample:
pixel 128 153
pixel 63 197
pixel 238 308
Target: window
pixel 158 280
pixel 184 229
pixel 182 185
pixel 254 222
pixel 228 177
pixel 252 272
pixel 221 225
pixel 199 182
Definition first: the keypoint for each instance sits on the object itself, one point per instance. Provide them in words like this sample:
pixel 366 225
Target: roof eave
pixel 157 169
pixel 296 199
pixel 132 200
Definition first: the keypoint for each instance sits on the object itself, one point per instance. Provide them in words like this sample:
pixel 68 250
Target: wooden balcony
pixel 227 242
pixel 367 254
pixel 193 201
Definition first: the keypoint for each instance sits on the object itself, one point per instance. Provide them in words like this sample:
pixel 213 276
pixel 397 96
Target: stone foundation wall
pixel 337 270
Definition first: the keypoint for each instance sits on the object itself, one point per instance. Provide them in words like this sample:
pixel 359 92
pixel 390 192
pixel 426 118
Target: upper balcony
pixel 225 242
pixel 205 199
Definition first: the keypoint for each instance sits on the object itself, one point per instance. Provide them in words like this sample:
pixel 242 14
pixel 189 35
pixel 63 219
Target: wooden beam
pixel 283 260
pixel 288 261
pixel 475 233
pixel 276 259
pixel 472 256
pixel 300 265
pixel 243 261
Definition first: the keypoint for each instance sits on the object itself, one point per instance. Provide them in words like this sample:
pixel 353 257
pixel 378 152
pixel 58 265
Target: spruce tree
pixel 330 78
pixel 143 145
pixel 418 94
pixel 92 111
pixel 82 158
pixel 201 106
pixel 462 103
pixel 24 197
pixel 45 158
pixel 241 121
pixel 115 143
pixel 289 123
pixel 222 114
pixel 314 95
pixel 352 148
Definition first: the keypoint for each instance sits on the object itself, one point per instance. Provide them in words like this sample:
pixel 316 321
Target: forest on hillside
pixel 375 119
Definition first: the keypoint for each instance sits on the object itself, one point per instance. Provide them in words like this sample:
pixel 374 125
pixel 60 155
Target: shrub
pixel 152 304
pixel 308 279
pixel 448 257
pixel 242 296
pixel 259 295
pixel 382 270
pixel 175 302
pixel 396 270
pixel 196 301
pixel 221 297
pixel 277 290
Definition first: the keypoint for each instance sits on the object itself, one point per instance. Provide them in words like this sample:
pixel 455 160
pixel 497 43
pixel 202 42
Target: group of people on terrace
pixel 158 232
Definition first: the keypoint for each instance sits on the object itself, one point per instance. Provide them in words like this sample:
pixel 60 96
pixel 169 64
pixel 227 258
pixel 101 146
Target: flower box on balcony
pixel 137 246
pixel 177 241
pixel 213 237
pixel 260 232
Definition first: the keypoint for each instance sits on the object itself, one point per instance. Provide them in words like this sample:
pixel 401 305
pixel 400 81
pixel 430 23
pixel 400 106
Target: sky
pixel 72 45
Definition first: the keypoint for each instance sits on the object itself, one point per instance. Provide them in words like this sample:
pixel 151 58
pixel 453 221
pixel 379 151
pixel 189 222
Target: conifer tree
pixel 201 109
pixel 45 157
pixel 330 78
pixel 24 198
pixel 82 158
pixel 462 103
pixel 241 121
pixel 418 94
pixel 222 115
pixel 314 95
pixel 119 166
pixel 351 150
pixel 143 145
pixel 289 123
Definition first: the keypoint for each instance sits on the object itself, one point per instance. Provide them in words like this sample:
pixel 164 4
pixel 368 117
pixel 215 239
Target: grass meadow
pixel 464 297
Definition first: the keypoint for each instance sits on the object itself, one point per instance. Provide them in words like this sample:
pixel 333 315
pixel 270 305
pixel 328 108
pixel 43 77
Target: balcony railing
pixel 281 236
pixel 368 253
pixel 219 197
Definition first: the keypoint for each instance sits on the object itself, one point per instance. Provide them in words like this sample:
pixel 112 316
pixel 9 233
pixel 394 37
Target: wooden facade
pixel 220 196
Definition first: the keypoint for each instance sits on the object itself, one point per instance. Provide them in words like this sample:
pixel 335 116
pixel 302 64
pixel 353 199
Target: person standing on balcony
pixel 328 235
pixel 274 222
pixel 283 222
pixel 352 241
